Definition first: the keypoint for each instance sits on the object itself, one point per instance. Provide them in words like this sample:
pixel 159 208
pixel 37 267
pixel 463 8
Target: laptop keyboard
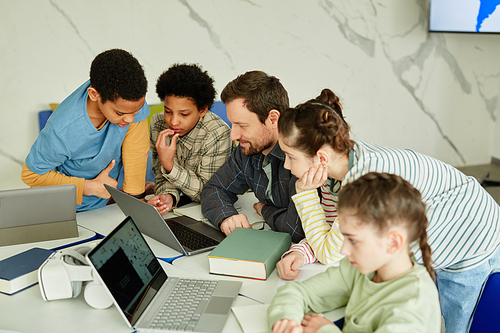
pixel 190 238
pixel 182 309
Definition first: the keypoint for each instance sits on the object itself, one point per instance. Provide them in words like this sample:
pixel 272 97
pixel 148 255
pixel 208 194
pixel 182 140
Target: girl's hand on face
pixel 312 179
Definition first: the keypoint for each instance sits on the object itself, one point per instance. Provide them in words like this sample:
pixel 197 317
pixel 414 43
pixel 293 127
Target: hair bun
pixel 329 98
pixel 327 120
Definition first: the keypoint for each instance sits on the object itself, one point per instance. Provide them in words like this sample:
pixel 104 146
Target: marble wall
pixel 400 85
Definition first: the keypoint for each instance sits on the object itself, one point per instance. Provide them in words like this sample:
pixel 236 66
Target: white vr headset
pixel 63 274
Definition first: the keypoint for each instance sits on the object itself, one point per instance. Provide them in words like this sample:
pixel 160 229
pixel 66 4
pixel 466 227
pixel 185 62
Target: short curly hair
pixel 187 80
pixel 117 74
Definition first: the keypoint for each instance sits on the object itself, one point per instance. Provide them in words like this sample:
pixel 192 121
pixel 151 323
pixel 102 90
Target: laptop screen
pixel 128 268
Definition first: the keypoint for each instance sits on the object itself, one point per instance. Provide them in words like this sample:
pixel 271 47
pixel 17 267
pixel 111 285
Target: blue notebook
pixel 21 270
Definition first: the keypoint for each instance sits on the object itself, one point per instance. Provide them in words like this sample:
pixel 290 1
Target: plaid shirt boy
pixel 199 154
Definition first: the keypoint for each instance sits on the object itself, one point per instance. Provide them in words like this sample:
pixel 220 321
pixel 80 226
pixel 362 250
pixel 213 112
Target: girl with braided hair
pixel 463 218
pixel 379 282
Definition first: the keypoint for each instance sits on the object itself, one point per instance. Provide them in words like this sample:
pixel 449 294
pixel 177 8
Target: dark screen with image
pixel 128 268
pixel 121 278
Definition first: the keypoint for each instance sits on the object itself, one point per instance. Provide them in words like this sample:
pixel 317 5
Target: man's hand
pixel 287 326
pixel 162 202
pixel 313 322
pixel 166 153
pixel 96 186
pixel 258 207
pixel 236 221
pixel 288 266
pixel 311 179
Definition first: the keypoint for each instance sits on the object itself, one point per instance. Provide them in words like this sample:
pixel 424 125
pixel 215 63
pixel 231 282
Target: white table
pixel 27 312
pixel 104 220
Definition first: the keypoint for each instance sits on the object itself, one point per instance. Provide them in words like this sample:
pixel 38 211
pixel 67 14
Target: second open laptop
pixel 146 297
pixel 180 233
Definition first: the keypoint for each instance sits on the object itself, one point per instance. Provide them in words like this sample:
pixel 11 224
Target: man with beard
pixel 254 101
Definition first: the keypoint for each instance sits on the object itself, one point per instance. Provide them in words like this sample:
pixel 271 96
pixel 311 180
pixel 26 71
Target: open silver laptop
pixel 37 214
pixel 146 297
pixel 180 233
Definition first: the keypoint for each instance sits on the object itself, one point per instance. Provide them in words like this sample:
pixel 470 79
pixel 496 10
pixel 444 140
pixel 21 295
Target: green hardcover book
pixel 249 253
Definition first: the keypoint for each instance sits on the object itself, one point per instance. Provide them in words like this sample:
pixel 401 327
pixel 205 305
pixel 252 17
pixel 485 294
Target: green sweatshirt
pixel 408 303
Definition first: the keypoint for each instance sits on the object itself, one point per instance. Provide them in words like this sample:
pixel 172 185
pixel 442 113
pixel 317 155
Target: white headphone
pixel 63 274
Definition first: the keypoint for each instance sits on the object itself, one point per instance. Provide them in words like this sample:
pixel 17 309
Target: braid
pixel 426 252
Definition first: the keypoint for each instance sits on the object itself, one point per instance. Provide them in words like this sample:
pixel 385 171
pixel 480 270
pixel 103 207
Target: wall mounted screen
pixel 476 16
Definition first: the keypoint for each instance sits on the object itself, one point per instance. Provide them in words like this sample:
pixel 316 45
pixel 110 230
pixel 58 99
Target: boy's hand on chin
pixel 166 153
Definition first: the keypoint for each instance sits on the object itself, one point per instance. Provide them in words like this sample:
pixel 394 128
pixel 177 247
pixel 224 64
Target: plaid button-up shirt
pixel 199 154
pixel 241 173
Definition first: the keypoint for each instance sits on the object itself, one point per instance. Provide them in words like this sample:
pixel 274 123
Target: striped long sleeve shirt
pixel 464 220
pixel 321 224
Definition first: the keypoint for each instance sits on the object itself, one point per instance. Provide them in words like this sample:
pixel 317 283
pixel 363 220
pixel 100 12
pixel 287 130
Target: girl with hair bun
pixel 380 283
pixel 463 218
